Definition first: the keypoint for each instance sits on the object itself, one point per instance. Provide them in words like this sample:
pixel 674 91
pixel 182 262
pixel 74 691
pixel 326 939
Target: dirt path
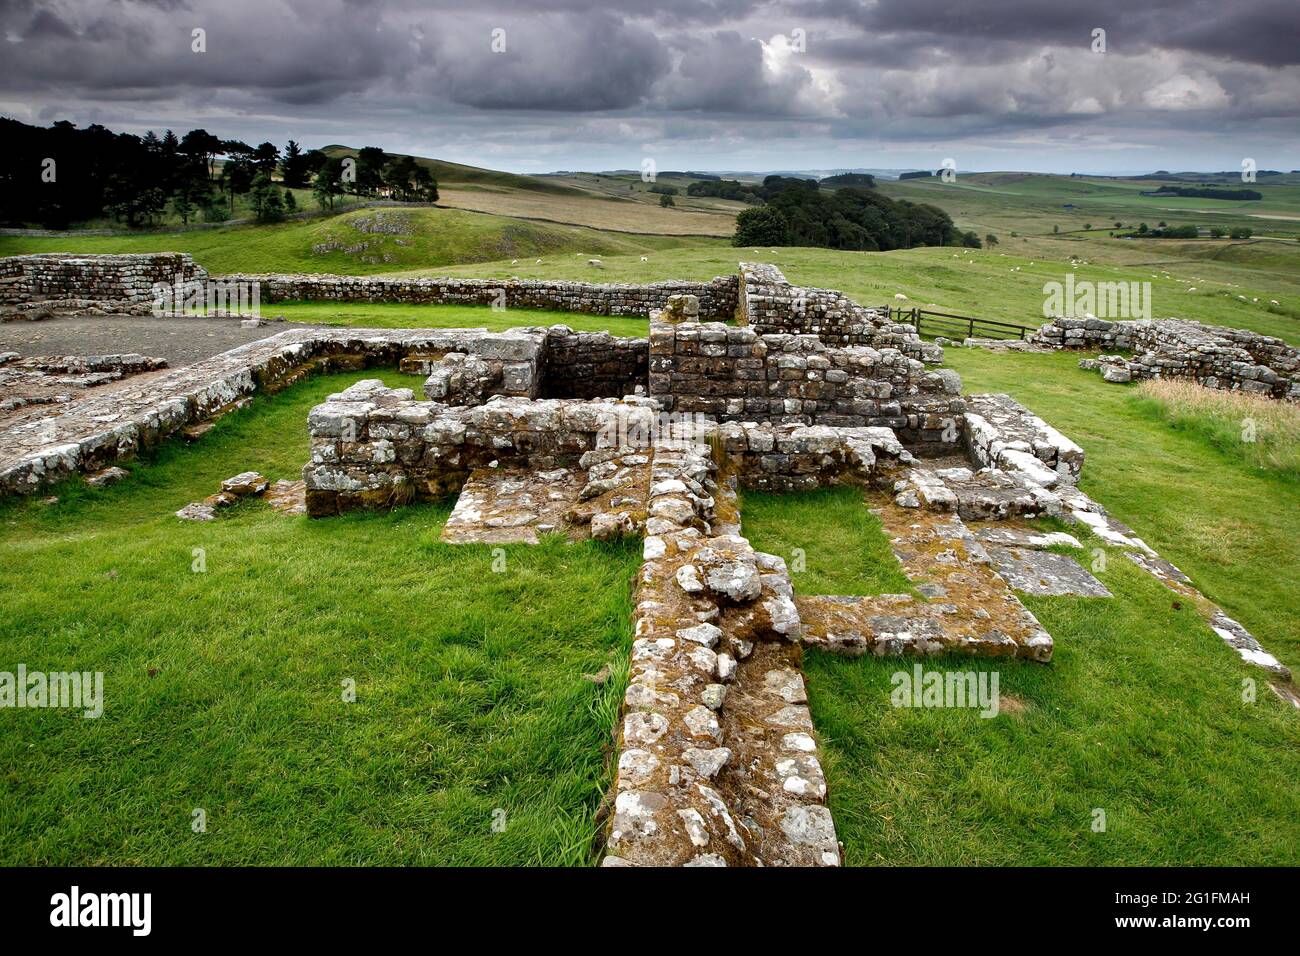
pixel 180 341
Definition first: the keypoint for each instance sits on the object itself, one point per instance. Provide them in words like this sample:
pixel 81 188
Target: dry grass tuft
pixel 1263 431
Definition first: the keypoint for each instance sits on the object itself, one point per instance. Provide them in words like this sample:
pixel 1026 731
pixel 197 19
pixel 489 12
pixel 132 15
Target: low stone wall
pixel 999 432
pixel 375 447
pixel 770 304
pixel 97 431
pixel 718 763
pixel 738 374
pixel 1216 357
pixel 93 283
pixel 717 296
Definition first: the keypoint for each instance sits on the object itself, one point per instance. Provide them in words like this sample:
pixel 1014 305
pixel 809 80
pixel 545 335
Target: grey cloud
pixel 589 78
pixel 550 62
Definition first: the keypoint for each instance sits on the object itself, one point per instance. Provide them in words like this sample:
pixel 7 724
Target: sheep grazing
pixel 514 262
pixel 645 258
pixel 595 263
pixel 900 297
pixel 539 262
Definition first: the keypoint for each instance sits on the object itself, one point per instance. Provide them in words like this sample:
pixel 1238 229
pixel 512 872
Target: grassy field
pixel 1141 712
pixel 223 689
pixel 979 282
pixel 349 243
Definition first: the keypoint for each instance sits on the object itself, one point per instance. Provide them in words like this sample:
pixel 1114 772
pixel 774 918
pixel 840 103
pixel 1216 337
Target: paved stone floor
pixel 507 505
pixel 179 341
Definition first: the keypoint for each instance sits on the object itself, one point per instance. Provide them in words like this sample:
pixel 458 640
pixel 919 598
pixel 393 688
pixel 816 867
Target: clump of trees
pixel 865 180
pixel 370 173
pixel 725 189
pixel 60 175
pixel 1206 192
pixel 797 212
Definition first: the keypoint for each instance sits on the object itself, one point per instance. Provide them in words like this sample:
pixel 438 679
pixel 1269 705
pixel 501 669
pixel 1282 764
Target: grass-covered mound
pixel 361 242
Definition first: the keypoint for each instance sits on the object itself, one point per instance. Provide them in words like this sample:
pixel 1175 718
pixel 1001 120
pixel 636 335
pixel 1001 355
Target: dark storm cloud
pixel 1259 31
pixel 579 76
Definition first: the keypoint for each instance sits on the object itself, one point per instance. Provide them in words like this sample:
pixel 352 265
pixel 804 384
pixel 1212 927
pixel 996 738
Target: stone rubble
pixel 1213 356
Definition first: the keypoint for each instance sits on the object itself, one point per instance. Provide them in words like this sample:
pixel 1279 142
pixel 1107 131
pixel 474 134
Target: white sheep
pixel 514 262
pixel 595 263
pixel 539 262
pixel 645 258
pixel 1274 302
pixel 900 297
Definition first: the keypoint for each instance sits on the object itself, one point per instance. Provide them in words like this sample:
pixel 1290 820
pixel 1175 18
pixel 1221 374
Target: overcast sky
pixel 693 84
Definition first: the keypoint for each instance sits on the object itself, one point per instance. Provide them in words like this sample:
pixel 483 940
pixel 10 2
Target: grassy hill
pixel 361 243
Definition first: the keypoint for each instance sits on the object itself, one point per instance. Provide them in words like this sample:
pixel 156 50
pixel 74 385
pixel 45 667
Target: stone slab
pixel 1045 573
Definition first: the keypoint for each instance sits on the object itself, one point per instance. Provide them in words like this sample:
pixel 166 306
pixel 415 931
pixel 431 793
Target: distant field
pixel 611 212
pixel 1032 204
pixel 428 238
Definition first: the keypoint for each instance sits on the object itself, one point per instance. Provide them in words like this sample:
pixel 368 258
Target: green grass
pixel 1140 715
pixel 1033 203
pixel 1262 432
pixel 387 315
pixel 431 238
pixel 223 689
pixel 848 554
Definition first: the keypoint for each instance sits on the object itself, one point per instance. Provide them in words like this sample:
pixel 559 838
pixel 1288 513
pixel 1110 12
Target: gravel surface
pixel 179 341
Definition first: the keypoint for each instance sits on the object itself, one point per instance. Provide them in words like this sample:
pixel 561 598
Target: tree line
pixel 798 212
pixel 60 175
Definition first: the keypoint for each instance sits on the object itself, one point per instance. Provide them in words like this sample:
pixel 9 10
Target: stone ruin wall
pixel 717 296
pixel 94 284
pixel 1214 356
pixel 376 447
pixel 738 374
pixel 770 304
